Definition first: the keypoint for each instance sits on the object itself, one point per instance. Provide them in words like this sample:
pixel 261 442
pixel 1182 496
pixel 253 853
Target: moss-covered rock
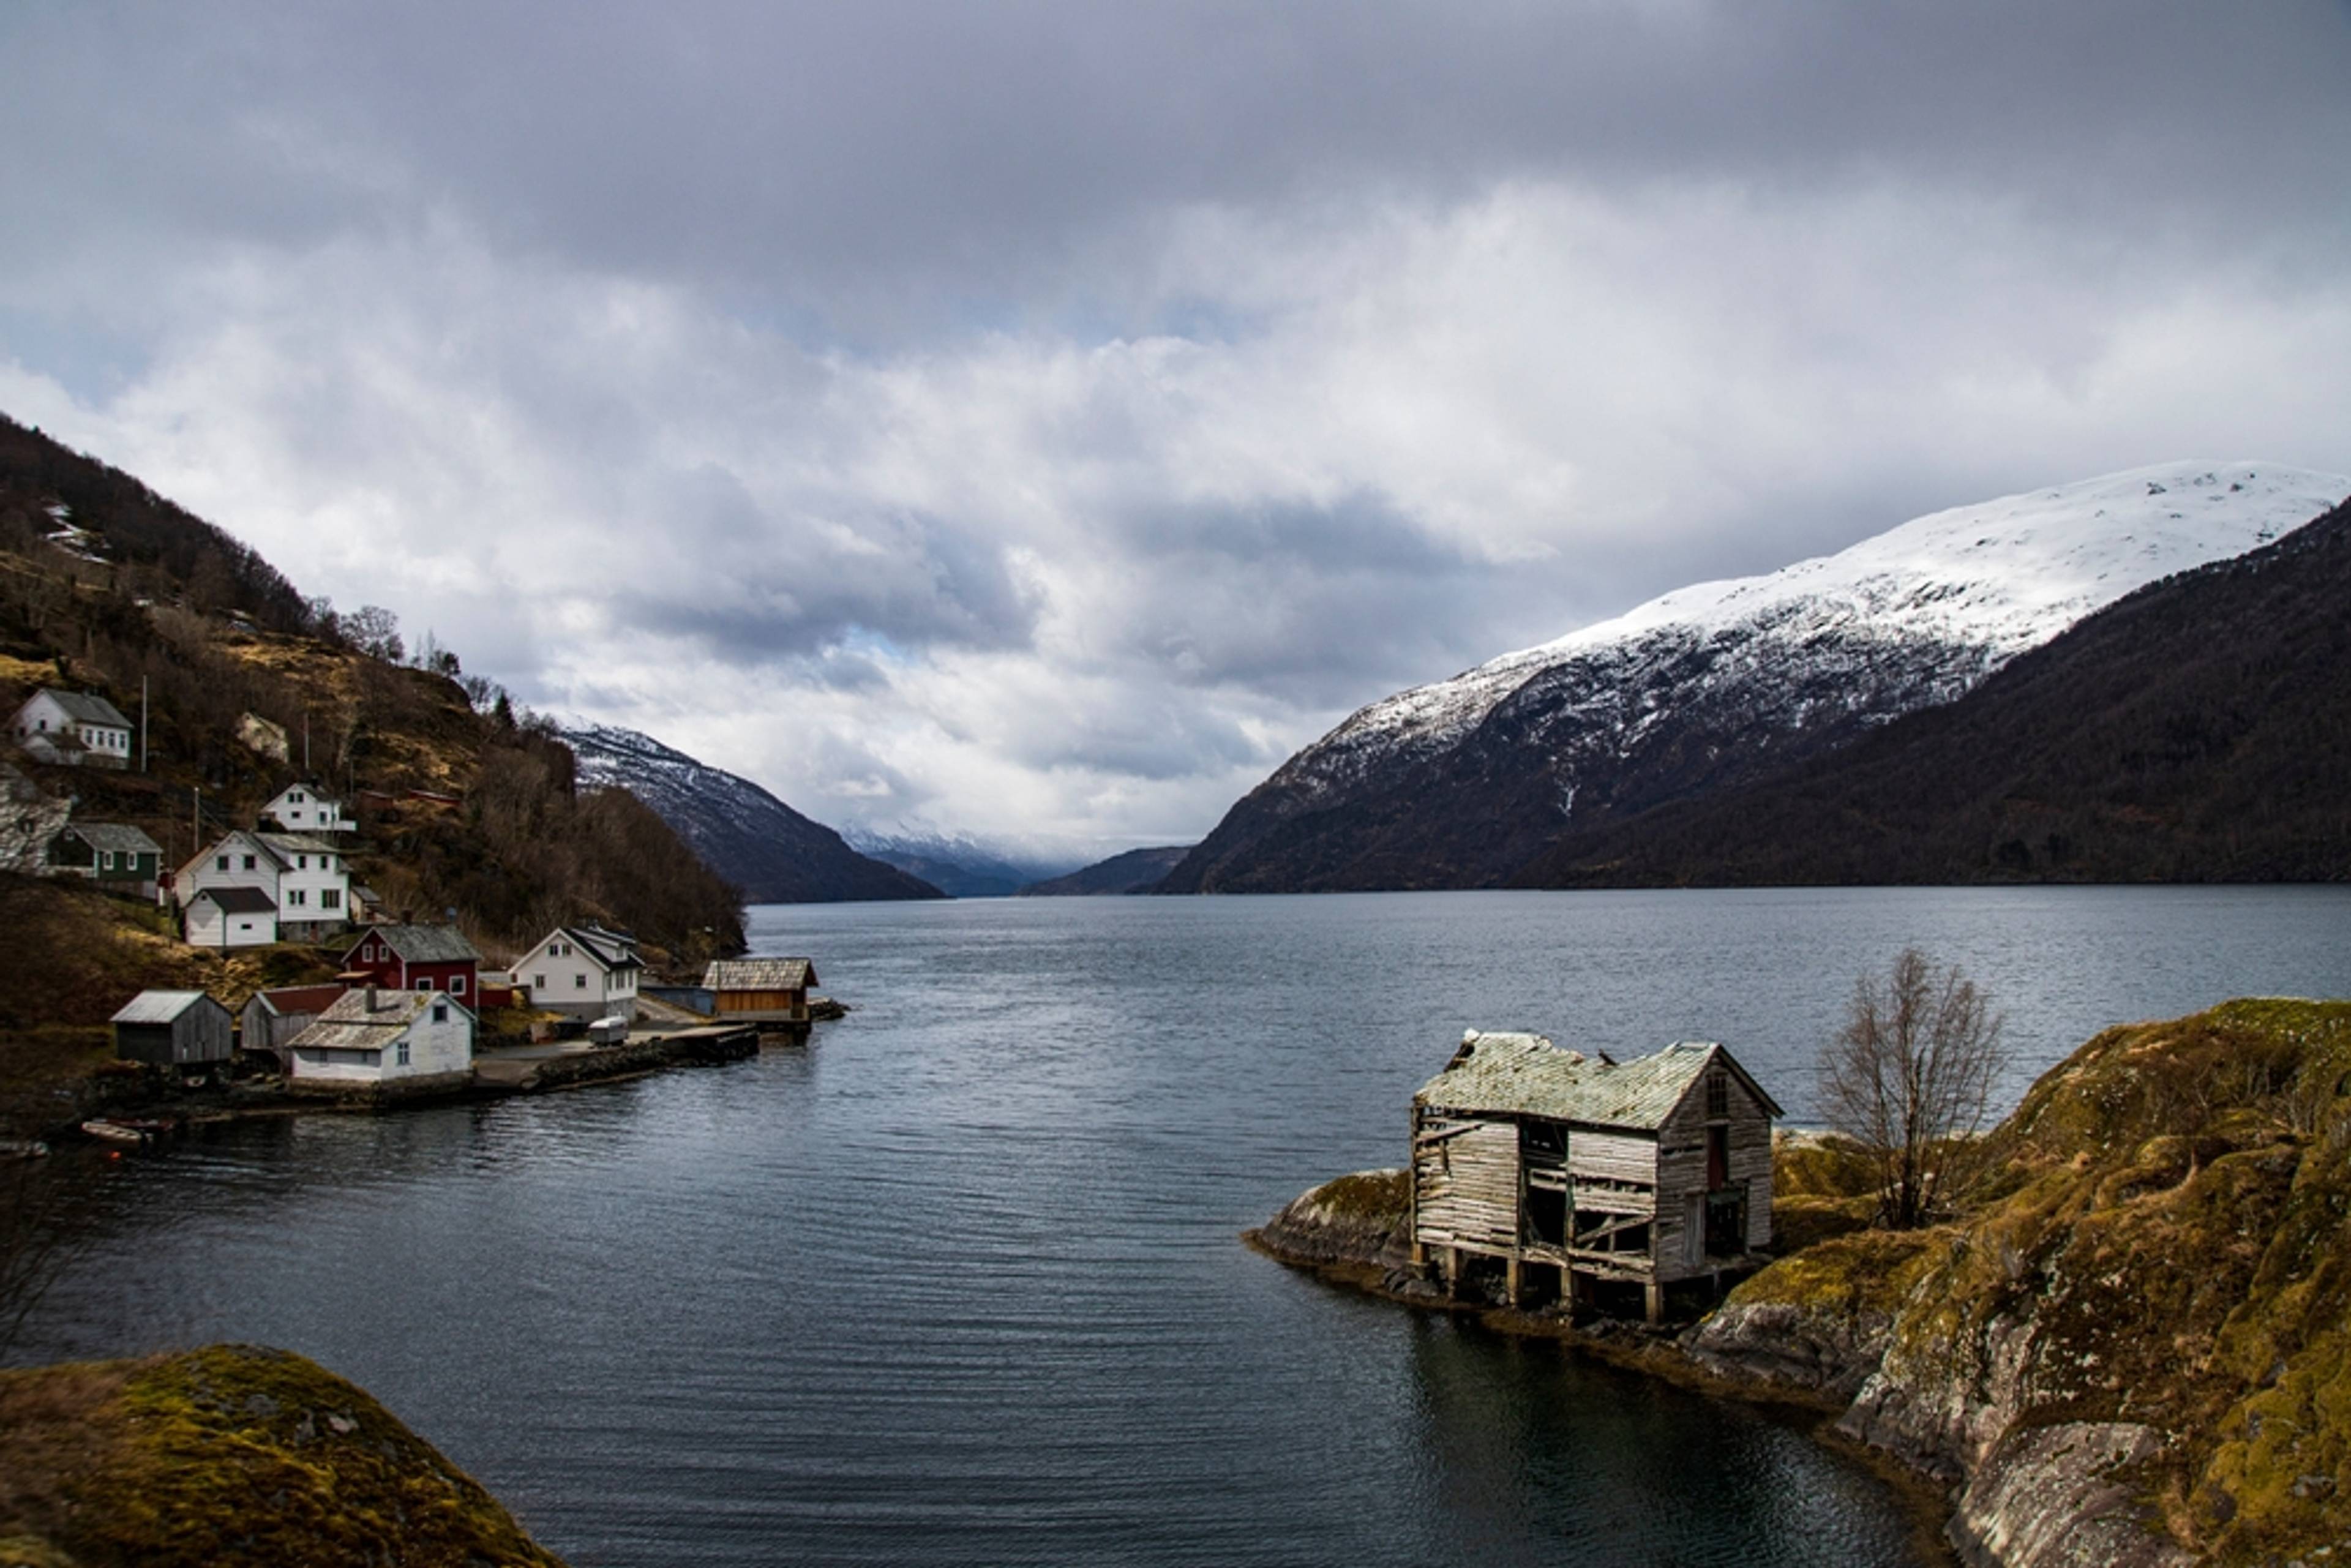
pixel 2141 1326
pixel 231 1455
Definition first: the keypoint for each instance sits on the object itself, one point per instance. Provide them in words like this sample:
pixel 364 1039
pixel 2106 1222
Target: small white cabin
pixel 75 728
pixel 232 917
pixel 300 809
pixel 371 1037
pixel 583 971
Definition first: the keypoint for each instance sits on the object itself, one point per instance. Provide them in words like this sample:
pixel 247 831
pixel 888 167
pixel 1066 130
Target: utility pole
pixel 143 724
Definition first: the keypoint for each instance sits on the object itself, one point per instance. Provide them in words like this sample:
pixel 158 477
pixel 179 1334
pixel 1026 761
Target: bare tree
pixel 1910 1078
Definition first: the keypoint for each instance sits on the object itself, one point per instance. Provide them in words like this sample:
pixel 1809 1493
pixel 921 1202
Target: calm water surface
pixel 958 1283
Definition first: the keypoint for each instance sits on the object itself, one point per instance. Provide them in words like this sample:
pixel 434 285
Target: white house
pixel 584 971
pixel 75 728
pixel 232 917
pixel 300 809
pixel 372 1037
pixel 308 881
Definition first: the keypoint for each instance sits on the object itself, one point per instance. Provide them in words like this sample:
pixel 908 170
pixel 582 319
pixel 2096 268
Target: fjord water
pixel 958 1283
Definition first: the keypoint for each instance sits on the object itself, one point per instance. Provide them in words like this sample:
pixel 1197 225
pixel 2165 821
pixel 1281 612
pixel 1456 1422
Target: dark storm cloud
pixel 824 157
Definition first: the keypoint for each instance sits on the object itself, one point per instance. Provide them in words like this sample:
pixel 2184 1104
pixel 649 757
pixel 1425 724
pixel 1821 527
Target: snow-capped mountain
pixel 1459 782
pixel 744 833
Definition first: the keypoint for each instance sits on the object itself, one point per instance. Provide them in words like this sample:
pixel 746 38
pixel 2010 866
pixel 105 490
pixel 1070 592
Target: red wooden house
pixel 417 959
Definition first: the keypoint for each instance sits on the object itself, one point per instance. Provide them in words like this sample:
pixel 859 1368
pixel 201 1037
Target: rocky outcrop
pixel 228 1456
pixel 2134 1347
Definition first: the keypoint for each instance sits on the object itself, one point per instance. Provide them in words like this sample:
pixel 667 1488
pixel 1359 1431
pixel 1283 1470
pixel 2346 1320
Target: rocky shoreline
pixel 2050 1501
pixel 2131 1347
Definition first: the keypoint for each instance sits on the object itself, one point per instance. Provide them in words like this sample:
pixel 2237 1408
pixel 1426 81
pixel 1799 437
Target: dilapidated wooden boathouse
pixel 1589 1170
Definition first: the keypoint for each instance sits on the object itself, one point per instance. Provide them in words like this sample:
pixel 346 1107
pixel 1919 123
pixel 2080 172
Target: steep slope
pixel 754 840
pixel 2197 730
pixel 106 587
pixel 1462 782
pixel 1136 871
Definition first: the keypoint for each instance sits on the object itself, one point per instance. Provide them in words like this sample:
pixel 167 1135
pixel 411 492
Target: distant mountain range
pixel 1472 782
pixel 962 867
pixel 1136 871
pixel 743 832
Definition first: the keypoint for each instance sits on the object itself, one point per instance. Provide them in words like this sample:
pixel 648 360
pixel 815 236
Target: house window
pixel 106 860
pixel 403 1055
pixel 301 862
pixel 579 982
pixel 457 984
pixel 223 862
pixel 429 984
pixel 440 1012
pixel 331 898
pixel 1718 1096
pixel 295 896
pixel 248 862
pixel 539 982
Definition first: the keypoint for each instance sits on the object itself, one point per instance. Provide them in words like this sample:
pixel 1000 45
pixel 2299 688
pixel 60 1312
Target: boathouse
pixel 759 990
pixel 273 1018
pixel 1588 1170
pixel 173 1029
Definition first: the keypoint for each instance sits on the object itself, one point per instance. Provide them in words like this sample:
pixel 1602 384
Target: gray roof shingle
pixel 116 836
pixel 1527 1074
pixel 758 975
pixel 424 944
pixel 157 1006
pixel 87 707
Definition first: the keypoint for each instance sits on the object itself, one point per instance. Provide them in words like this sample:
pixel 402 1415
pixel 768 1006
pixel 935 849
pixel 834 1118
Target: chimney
pixel 370 1002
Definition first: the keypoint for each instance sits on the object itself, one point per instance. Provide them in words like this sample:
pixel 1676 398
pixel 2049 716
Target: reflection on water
pixel 960 1283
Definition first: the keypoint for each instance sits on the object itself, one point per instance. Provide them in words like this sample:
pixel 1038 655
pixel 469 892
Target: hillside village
pixel 394 1007
pixel 245 838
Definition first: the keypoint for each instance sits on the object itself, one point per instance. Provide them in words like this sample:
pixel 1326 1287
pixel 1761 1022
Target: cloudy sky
pixel 1035 419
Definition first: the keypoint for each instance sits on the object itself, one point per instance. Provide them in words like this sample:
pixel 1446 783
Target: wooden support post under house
pixel 1512 1272
pixel 1654 1302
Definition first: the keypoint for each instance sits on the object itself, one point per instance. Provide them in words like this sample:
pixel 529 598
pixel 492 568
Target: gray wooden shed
pixel 173 1029
pixel 1642 1172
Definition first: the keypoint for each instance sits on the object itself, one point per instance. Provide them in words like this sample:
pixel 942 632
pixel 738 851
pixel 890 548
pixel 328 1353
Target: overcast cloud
pixel 1038 420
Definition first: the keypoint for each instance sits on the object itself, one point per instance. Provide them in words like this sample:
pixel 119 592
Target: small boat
pixel 130 1129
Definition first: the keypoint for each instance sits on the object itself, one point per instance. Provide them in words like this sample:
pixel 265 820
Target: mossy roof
pixel 1526 1074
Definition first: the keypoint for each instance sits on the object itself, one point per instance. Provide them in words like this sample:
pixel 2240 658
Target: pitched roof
pixel 116 836
pixel 758 975
pixel 1527 1074
pixel 285 999
pixel 256 840
pixel 287 843
pixel 351 1024
pixel 239 899
pixel 158 1007
pixel 423 944
pixel 87 707
pixel 610 949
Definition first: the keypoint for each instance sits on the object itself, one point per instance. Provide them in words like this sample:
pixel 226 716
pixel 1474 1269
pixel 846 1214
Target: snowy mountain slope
pixel 747 835
pixel 1456 783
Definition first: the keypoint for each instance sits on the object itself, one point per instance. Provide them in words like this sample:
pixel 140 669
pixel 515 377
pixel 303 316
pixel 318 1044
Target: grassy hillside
pixel 229 1455
pixel 104 586
pixel 2160 1256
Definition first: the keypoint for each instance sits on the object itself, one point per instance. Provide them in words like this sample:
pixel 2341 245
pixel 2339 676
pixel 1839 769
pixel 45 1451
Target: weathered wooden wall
pixel 1466 1184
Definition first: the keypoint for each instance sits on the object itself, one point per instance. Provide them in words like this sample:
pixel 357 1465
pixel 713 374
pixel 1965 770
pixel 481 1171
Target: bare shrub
pixel 1910 1079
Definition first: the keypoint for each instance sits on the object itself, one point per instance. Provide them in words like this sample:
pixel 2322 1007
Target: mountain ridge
pixel 1460 782
pixel 751 837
